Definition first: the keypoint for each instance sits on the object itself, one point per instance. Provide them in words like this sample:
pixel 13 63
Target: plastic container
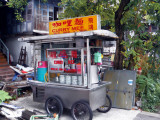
pixel 70 70
pixel 42 64
pixel 73 66
pixel 78 66
pixel 68 80
pixel 74 53
pixel 57 79
pixel 80 80
pixel 97 57
pixel 85 80
pixel 42 71
pixel 74 80
pixel 62 79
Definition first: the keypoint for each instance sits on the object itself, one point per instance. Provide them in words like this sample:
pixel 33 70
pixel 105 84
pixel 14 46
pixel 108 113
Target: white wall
pixel 14 47
pixel 37 53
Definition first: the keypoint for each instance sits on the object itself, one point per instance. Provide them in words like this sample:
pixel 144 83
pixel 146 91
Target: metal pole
pixel 8 56
pixel 48 68
pixel 88 64
pixel 3 48
pixel 82 65
pixel 35 61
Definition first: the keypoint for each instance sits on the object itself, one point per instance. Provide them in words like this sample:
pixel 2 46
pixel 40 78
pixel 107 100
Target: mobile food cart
pixel 73 75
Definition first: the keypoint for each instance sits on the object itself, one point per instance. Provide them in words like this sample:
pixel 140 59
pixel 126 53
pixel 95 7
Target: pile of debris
pixel 14 80
pixel 11 112
pixel 18 89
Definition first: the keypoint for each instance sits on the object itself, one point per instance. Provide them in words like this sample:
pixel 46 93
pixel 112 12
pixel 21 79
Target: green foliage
pixel 149 91
pixel 145 54
pixel 143 50
pixel 0 4
pixel 4 96
pixel 44 1
pixel 76 8
pixel 134 48
pixel 18 6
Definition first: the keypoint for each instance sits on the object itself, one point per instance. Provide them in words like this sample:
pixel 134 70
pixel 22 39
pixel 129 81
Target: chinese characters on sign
pixel 87 23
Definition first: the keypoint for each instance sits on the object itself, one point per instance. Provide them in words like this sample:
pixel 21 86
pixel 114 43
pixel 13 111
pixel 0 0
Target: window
pixel 29 17
pixel 29 11
pixel 51 13
pixel 51 16
pixel 55 13
pixel 29 5
pixel 60 10
pixel 65 67
pixel 45 18
pixel 44 12
pixel 24 15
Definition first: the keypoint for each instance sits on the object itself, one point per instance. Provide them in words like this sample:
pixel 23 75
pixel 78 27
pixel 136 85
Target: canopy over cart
pixel 75 90
pixel 95 34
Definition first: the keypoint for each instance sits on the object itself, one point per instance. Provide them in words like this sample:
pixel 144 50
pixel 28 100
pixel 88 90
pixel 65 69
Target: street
pixel 113 114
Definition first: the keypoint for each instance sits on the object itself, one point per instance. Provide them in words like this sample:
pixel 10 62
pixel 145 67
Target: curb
pixel 150 114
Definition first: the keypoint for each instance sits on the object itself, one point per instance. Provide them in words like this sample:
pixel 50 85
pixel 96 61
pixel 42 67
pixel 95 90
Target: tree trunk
pixel 119 28
pixel 118 63
pixel 131 63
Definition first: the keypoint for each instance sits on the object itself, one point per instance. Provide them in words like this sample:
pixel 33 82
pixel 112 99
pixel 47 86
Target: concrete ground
pixel 113 114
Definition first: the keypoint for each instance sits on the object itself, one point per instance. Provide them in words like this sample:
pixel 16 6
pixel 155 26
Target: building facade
pixel 36 15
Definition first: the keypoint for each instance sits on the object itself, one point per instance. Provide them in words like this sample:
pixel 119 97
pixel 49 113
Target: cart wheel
pixel 54 105
pixel 107 106
pixel 81 111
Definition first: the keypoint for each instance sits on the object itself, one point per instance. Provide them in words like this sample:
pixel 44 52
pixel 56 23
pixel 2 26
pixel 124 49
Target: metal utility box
pixel 122 89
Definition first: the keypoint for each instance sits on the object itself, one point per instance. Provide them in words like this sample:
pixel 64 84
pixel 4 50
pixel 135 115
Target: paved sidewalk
pixel 147 116
pixel 113 114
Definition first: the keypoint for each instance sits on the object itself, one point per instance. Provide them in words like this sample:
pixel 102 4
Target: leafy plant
pixel 19 6
pixel 145 54
pixel 133 48
pixel 4 96
pixel 44 1
pixel 0 4
pixel 148 90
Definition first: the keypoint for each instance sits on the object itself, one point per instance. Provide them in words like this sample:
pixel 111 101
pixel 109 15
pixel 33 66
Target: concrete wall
pixel 14 47
pixel 37 53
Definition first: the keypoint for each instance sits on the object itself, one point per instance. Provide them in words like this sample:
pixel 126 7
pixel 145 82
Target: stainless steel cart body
pixel 95 96
pixel 93 93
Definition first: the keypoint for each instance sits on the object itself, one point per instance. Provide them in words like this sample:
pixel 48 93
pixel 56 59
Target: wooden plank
pixel 16 70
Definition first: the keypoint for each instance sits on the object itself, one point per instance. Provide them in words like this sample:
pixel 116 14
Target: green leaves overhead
pixel 19 6
pixel 76 8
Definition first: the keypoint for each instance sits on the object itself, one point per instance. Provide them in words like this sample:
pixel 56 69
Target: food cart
pixel 73 75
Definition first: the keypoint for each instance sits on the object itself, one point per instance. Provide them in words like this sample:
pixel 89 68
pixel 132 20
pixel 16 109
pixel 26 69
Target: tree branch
pixel 119 12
